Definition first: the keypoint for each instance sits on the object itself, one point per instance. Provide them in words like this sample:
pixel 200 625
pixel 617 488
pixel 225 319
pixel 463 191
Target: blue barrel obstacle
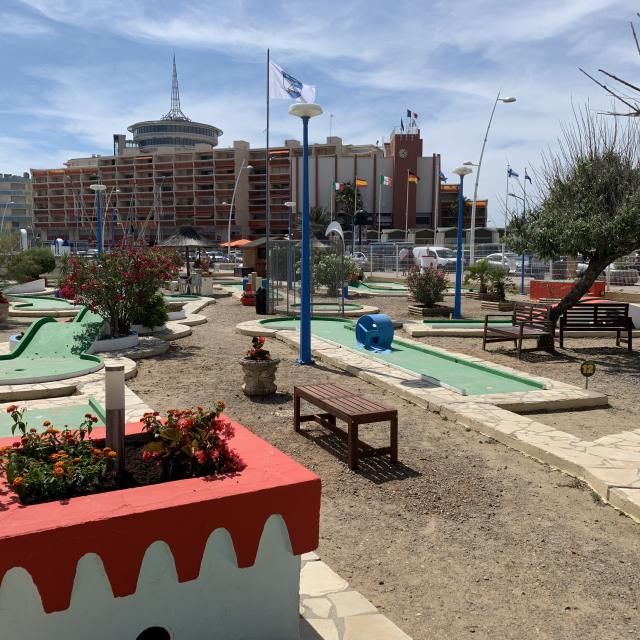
pixel 374 332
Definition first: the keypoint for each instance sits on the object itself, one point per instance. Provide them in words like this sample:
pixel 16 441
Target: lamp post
pixel 290 205
pixel 305 111
pixel 472 238
pixel 462 172
pixel 98 188
pixel 4 213
pixel 524 205
pixel 113 216
pixel 248 167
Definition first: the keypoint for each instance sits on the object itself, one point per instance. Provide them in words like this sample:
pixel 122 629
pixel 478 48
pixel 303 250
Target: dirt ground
pixel 464 538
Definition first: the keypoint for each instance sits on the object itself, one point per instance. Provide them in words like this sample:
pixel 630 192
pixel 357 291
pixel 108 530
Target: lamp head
pixel 290 204
pixel 462 171
pixel 508 99
pixel 97 187
pixel 249 167
pixel 468 163
pixel 305 110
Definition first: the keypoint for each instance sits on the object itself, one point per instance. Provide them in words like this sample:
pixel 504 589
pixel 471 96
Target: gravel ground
pixel 464 538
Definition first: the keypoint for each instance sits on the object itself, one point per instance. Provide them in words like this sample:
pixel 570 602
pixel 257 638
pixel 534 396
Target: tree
pixel 588 200
pixel 9 245
pixel 345 199
pixel 318 219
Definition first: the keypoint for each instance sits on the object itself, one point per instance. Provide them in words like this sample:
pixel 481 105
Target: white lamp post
pixel 248 167
pixel 457 307
pixel 305 111
pixel 472 238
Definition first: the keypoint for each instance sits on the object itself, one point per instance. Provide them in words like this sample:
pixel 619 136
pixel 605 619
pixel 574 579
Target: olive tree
pixel 588 199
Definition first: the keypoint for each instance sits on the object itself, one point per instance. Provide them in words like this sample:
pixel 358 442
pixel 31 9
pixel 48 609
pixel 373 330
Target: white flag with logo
pixel 283 86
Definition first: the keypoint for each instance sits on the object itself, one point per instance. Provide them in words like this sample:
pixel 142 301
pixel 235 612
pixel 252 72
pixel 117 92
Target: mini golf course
pixel 446 370
pixel 51 350
pixel 329 309
pixel 381 288
pixel 41 304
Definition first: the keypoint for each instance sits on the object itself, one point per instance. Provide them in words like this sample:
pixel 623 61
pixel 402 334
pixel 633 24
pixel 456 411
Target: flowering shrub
pixel 191 442
pixel 53 464
pixel 120 284
pixel 257 352
pixel 427 286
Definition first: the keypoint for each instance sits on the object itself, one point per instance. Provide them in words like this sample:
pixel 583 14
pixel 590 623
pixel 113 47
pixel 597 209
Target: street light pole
pixel 305 111
pixel 248 167
pixel 457 307
pixel 98 188
pixel 472 238
pixel 4 213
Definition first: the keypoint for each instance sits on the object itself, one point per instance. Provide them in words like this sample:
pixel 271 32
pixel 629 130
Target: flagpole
pixel 268 204
pixel 332 198
pixel 379 207
pixel 406 212
pixel 506 213
pixel 353 219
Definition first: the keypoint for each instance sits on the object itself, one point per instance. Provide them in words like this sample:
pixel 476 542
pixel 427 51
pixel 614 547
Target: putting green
pixel 59 416
pixel 468 378
pixel 392 288
pixel 183 297
pixel 463 324
pixel 42 303
pixel 51 350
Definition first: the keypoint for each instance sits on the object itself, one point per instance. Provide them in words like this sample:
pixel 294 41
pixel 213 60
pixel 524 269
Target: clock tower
pixel 406 148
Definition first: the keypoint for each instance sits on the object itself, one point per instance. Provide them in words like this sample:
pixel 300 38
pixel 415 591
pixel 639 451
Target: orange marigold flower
pixel 113 454
pixel 63 454
pixel 76 460
pixel 58 472
pixel 54 456
pixel 46 423
pixel 96 452
pixel 107 449
pixel 52 430
pixel 17 481
pixel 11 408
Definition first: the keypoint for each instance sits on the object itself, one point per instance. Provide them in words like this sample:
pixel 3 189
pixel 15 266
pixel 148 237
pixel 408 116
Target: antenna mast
pixel 175 113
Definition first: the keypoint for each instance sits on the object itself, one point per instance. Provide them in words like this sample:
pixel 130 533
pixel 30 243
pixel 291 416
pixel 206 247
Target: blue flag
pixel 443 178
pixel 401 125
pixel 511 173
pixel 527 176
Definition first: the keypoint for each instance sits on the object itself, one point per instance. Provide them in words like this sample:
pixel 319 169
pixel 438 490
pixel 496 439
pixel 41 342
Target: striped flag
pixel 412 177
pixel 385 181
pixel 361 183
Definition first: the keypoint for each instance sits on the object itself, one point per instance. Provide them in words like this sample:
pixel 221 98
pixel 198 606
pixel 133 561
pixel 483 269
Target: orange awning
pixel 235 243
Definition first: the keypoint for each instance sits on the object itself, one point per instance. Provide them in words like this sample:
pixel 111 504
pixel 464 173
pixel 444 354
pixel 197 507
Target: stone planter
pixel 426 312
pixel 4 311
pixel 197 558
pixel 115 344
pixel 141 330
pixel 259 376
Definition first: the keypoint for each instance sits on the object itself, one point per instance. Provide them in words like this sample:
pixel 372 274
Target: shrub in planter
pixel 427 286
pixel 479 273
pixel 499 281
pixel 152 314
pixel 28 265
pixel 329 270
pixel 121 284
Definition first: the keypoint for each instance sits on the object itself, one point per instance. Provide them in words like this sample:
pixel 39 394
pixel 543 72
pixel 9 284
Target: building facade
pixel 16 202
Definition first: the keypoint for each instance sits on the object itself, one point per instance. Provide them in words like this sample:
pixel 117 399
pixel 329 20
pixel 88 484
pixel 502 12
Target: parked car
pixel 215 255
pixel 445 258
pixel 511 261
pixel 360 259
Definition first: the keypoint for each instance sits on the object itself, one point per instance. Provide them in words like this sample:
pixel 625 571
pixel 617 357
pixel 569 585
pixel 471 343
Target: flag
pixel 412 177
pixel 361 183
pixel 511 173
pixel 443 178
pixel 338 186
pixel 385 181
pixel 401 125
pixel 283 86
pixel 527 176
pixel 412 115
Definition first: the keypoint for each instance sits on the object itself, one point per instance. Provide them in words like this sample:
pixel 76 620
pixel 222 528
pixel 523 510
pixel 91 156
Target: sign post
pixel 587 369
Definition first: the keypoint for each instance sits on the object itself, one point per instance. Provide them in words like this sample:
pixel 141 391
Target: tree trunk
pixel 596 266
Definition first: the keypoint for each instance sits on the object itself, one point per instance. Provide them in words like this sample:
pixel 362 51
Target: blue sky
pixel 77 71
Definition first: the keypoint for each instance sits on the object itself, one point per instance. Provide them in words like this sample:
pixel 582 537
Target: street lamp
pixel 305 111
pixel 290 205
pixel 113 215
pixel 524 206
pixel 4 213
pixel 462 172
pixel 248 167
pixel 472 238
pixel 98 188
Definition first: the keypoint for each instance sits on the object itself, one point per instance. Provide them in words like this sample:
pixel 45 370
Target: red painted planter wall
pixel 48 539
pixel 559 288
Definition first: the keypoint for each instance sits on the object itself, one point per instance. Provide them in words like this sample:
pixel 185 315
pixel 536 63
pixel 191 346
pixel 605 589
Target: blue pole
pixel 305 259
pixel 522 275
pixel 457 307
pixel 290 251
pixel 99 215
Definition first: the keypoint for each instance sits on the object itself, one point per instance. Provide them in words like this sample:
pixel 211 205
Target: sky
pixel 77 71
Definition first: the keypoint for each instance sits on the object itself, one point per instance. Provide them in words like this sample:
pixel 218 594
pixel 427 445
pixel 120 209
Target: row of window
pixel 174 128
pixel 174 142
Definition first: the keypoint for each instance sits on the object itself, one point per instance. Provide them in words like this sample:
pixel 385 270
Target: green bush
pixel 479 272
pixel 499 281
pixel 29 265
pixel 153 313
pixel 328 271
pixel 427 286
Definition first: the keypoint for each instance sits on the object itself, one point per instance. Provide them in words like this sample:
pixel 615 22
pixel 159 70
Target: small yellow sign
pixel 588 368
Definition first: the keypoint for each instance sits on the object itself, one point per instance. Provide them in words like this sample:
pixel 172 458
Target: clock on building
pixel 403 153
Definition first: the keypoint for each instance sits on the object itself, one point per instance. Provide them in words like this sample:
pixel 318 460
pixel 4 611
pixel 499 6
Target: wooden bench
pixel 599 316
pixel 354 409
pixel 528 321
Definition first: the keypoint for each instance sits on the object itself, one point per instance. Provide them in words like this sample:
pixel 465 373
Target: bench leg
pixel 352 442
pixel 296 413
pixel 520 348
pixel 617 338
pixel 394 439
pixel 630 341
pixel 561 340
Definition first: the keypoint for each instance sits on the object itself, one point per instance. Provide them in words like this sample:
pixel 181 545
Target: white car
pixel 359 258
pixel 445 258
pixel 511 261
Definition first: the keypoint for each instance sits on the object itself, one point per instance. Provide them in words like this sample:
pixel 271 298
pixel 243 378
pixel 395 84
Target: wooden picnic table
pixel 339 403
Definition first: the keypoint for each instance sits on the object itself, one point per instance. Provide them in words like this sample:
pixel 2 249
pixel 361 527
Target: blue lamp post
pixel 98 188
pixel 305 111
pixel 290 205
pixel 457 306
